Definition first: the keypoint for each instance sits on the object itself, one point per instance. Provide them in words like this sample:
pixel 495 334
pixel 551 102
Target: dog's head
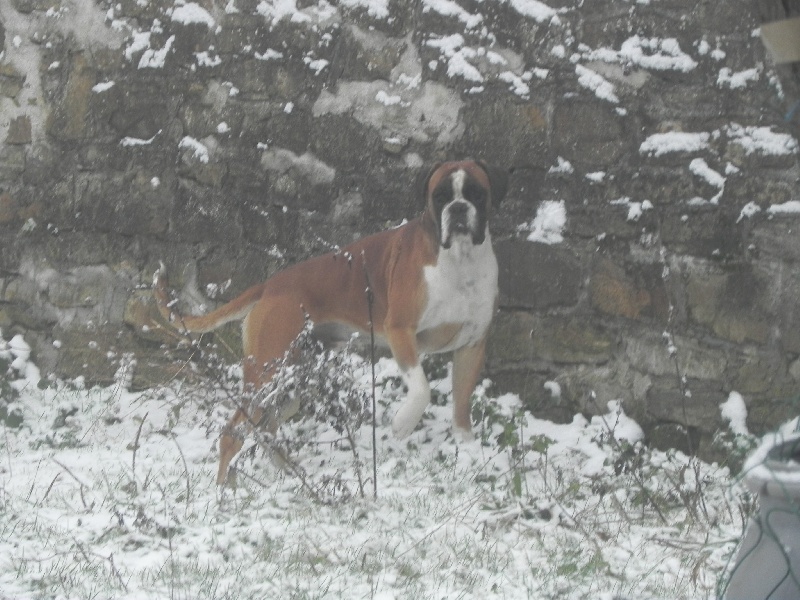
pixel 460 196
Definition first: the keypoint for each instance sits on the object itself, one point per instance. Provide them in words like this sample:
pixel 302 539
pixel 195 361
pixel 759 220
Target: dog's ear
pixel 424 178
pixel 498 178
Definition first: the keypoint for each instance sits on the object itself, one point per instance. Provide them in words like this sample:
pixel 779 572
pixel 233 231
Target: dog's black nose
pixel 459 209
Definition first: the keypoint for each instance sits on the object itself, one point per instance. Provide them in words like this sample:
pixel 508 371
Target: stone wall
pixel 648 246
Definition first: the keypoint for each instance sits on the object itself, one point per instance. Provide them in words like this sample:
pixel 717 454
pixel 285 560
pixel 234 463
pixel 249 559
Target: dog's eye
pixel 441 196
pixel 474 193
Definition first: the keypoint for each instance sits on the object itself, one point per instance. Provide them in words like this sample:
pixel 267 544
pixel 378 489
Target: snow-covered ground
pixel 108 493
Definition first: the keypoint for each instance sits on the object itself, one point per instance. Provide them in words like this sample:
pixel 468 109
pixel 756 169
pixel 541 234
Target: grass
pixel 108 493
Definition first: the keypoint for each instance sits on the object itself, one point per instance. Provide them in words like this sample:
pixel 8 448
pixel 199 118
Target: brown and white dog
pixel 434 282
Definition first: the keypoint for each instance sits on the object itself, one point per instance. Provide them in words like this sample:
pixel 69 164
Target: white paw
pixel 463 435
pixel 413 407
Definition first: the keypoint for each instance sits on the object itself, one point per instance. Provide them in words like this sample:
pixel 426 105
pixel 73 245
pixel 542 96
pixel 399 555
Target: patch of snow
pixel 517 84
pixel 204 59
pixel 533 9
pixel 316 65
pixel 657 54
pixel 748 210
pixel 596 177
pixel 198 149
pixel 102 87
pixel 155 59
pixel 700 167
pixel 563 166
pixel 736 81
pixel 554 388
pixel 139 42
pixel 132 141
pixel 458 65
pixel 734 411
pixel 378 9
pixel 269 54
pixel 191 12
pixel 659 144
pixel 761 140
pixel 635 209
pixel 450 8
pixel 548 225
pixel 97 477
pixel 599 85
pixel 315 13
pixel 791 207
pixel 386 99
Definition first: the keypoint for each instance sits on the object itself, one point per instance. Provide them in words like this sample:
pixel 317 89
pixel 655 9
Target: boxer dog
pixel 434 284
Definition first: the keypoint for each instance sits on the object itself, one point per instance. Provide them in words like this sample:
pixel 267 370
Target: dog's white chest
pixel 462 289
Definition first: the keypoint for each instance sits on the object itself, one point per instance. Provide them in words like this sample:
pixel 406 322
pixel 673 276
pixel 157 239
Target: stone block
pixel 537 276
pixel 11 81
pixel 590 133
pixel 777 238
pixel 731 303
pixel 367 54
pixel 19 131
pixel 70 119
pixel 666 403
pixel 529 385
pixel 508 133
pixel 519 337
pixel 672 436
pixel 647 352
pixel 634 291
pixel 703 231
pixel 9 209
pixel 201 214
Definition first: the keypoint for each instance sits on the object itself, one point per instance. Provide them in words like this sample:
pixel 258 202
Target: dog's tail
pixel 236 309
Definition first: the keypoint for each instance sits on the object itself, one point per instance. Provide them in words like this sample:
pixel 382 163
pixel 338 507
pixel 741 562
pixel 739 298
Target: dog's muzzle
pixel 458 219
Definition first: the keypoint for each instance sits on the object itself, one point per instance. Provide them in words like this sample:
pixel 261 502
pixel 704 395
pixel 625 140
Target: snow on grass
pixel 111 495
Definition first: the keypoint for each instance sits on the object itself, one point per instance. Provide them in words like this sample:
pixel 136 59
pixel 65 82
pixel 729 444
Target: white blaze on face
pixel 459 216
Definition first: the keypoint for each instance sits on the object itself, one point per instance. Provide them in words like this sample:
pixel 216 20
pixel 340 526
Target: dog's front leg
pixel 467 365
pixel 404 348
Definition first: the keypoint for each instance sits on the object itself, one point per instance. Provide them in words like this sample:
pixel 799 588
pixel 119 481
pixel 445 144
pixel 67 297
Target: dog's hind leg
pixel 268 333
